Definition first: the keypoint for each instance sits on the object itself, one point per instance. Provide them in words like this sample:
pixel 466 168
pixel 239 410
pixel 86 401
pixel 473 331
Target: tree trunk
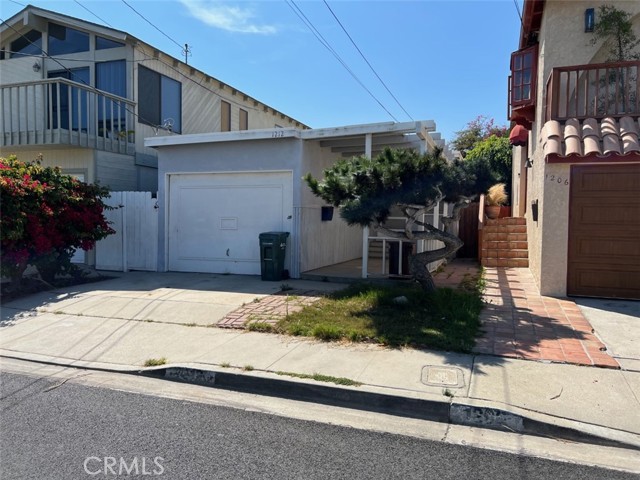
pixel 420 272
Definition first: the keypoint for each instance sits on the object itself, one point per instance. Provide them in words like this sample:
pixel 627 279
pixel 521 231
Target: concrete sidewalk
pixel 107 325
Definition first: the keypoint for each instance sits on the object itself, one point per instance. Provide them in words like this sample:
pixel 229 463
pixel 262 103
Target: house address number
pixel 277 134
pixel 559 180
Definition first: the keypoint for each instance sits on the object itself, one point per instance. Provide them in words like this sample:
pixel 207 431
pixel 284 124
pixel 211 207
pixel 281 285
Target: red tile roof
pixel 591 138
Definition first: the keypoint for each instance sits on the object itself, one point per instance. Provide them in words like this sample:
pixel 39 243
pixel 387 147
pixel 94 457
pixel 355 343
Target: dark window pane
pixel 244 120
pixel 111 77
pixel 517 62
pixel 516 94
pixel 63 40
pixel 225 116
pixel 72 99
pixel 517 78
pixel 171 103
pixel 527 77
pixel 104 43
pixel 527 59
pixel 526 92
pixel 29 44
pixel 149 96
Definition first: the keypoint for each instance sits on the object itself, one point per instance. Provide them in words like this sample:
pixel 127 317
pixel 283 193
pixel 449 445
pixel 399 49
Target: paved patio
pixel 518 322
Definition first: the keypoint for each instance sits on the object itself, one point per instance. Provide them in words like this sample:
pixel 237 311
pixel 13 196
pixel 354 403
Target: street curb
pixel 364 398
pixel 451 412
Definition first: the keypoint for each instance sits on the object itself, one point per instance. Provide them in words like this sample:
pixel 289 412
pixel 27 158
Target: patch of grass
pixel 474 283
pixel 448 393
pixel 155 362
pixel 260 327
pixel 247 368
pixel 445 319
pixel 323 378
pixel 291 298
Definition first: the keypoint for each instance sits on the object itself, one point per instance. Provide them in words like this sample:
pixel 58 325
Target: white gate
pixel 134 246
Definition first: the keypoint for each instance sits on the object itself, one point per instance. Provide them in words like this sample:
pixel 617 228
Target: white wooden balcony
pixel 63 112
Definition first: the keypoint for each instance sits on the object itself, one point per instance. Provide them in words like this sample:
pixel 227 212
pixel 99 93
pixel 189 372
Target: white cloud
pixel 225 17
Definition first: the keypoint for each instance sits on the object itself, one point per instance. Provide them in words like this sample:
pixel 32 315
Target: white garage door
pixel 215 219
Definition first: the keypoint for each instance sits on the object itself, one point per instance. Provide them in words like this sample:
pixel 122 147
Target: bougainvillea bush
pixel 46 216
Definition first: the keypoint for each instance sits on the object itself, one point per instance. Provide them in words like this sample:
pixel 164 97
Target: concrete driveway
pixel 617 323
pixel 184 298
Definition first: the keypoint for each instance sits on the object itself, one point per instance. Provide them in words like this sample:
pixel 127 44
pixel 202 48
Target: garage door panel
pixel 593 183
pixel 606 250
pixel 602 281
pixel 604 231
pixel 215 219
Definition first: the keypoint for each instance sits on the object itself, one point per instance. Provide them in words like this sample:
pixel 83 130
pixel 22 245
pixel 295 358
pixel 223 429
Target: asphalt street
pixel 62 430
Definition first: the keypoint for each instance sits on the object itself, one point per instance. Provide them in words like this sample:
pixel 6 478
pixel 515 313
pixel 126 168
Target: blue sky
pixel 444 60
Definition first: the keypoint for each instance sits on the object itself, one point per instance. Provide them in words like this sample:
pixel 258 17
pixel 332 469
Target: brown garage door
pixel 604 231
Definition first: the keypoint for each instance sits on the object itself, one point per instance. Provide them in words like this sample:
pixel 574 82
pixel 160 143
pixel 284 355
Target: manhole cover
pixel 442 376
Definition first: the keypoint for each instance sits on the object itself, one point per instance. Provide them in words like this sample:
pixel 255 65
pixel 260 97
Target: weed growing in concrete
pixel 260 326
pixel 323 378
pixel 155 362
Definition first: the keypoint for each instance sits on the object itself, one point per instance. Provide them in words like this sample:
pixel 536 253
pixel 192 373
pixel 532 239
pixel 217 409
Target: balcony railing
pixel 63 112
pixel 594 91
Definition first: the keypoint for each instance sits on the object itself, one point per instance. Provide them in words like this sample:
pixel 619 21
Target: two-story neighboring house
pixel 85 96
pixel 576 163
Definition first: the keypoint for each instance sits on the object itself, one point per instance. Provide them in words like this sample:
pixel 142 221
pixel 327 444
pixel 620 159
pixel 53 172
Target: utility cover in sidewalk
pixel 439 376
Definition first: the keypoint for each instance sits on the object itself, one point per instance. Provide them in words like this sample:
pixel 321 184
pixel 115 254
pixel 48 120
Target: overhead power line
pixel 367 61
pixel 149 22
pixel 92 13
pixel 327 45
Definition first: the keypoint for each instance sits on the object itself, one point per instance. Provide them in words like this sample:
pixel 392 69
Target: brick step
pixel 505 245
pixel 506 221
pixel 489 253
pixel 505 262
pixel 505 229
pixel 504 237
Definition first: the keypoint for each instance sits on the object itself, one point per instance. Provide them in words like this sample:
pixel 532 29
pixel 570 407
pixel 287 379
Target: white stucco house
pixel 218 191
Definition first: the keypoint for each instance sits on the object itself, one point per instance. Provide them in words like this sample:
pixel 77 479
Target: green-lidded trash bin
pixel 273 246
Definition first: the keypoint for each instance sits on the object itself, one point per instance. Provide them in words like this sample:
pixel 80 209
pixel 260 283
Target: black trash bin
pixel 273 246
pixel 407 250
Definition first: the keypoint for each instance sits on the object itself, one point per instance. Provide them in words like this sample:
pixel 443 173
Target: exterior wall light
pixel 589 19
pixel 36 67
pixel 528 163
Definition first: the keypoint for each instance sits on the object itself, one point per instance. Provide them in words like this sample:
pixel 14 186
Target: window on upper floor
pixel 104 43
pixel 159 100
pixel 65 40
pixel 225 116
pixel 523 74
pixel 28 44
pixel 111 77
pixel 244 120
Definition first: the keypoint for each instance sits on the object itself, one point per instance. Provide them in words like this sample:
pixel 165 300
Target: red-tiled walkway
pixel 518 322
pixel 270 309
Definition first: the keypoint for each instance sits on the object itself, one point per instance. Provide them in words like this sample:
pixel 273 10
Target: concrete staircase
pixel 504 242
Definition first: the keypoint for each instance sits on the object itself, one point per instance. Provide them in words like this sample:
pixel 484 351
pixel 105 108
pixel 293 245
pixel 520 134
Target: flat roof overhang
pixel 348 140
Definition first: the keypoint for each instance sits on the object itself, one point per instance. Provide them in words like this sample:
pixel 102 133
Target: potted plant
pixel 494 199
